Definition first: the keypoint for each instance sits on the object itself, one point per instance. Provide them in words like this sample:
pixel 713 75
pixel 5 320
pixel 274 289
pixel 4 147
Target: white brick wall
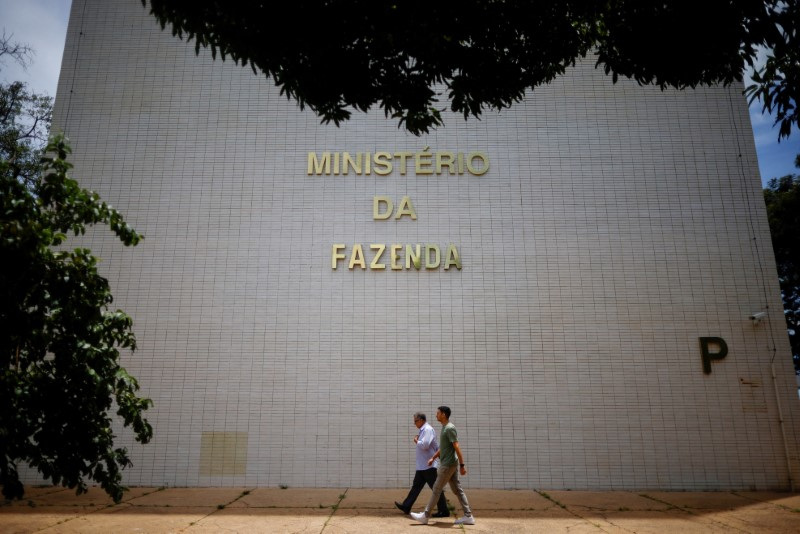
pixel 617 224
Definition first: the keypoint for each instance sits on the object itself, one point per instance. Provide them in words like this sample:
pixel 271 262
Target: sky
pixel 42 24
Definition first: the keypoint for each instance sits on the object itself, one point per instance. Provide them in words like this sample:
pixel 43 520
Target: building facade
pixel 575 277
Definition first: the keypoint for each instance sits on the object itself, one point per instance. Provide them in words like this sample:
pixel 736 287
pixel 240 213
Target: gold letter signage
pixel 382 163
pixel 398 257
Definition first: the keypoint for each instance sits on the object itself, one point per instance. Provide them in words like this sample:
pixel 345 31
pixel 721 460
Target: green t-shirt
pixel 447 453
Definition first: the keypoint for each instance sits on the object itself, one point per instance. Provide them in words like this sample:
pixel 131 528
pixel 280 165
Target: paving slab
pixel 290 498
pixel 605 500
pixel 261 520
pixel 384 521
pixel 38 491
pixel 46 507
pixel 189 497
pixel 487 499
pixel 696 500
pixel 781 499
pixel 346 521
pixel 126 518
pixel 19 520
pixel 763 517
pixel 554 520
pixel 657 522
pixel 547 523
pixel 95 497
pixel 482 499
pixel 324 511
pixel 377 499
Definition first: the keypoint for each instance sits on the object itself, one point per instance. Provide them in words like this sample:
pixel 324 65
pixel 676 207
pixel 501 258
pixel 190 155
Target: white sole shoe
pixel 466 520
pixel 419 516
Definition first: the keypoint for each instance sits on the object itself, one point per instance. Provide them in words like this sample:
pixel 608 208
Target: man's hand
pixel 416 439
pixel 463 470
pixel 430 462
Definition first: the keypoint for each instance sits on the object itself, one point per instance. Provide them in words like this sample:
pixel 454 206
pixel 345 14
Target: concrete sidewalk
pixel 342 510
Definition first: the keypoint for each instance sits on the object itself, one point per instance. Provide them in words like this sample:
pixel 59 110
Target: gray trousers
pixel 443 476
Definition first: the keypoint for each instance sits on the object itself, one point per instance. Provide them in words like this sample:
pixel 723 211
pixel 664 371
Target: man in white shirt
pixel 426 447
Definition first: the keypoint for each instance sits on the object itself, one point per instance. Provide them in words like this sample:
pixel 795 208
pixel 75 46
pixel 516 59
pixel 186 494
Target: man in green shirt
pixel 451 463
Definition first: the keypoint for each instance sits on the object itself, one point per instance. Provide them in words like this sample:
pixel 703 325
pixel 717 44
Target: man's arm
pixel 434 457
pixel 426 438
pixel 461 461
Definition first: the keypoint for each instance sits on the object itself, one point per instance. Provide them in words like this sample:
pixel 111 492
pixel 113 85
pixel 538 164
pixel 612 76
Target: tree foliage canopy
pixel 25 119
pixel 60 373
pixel 410 57
pixel 782 196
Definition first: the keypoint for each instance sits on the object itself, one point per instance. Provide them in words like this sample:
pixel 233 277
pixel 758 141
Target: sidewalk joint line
pixel 774 504
pixel 90 512
pixel 563 506
pixel 333 510
pixel 691 513
pixel 219 507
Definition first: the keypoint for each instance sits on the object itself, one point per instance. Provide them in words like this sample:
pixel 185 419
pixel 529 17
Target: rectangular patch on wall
pixel 753 400
pixel 223 453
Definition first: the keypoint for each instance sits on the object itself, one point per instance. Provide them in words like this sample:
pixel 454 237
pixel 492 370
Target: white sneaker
pixel 466 520
pixel 422 518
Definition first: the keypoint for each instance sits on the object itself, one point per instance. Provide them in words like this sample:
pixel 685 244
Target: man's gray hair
pixel 420 415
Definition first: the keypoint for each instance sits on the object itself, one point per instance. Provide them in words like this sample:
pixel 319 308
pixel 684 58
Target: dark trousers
pixel 421 478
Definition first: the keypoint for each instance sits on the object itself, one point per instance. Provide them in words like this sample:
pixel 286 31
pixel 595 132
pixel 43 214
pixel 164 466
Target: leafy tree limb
pixel 60 373
pixel 777 84
pixel 412 58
